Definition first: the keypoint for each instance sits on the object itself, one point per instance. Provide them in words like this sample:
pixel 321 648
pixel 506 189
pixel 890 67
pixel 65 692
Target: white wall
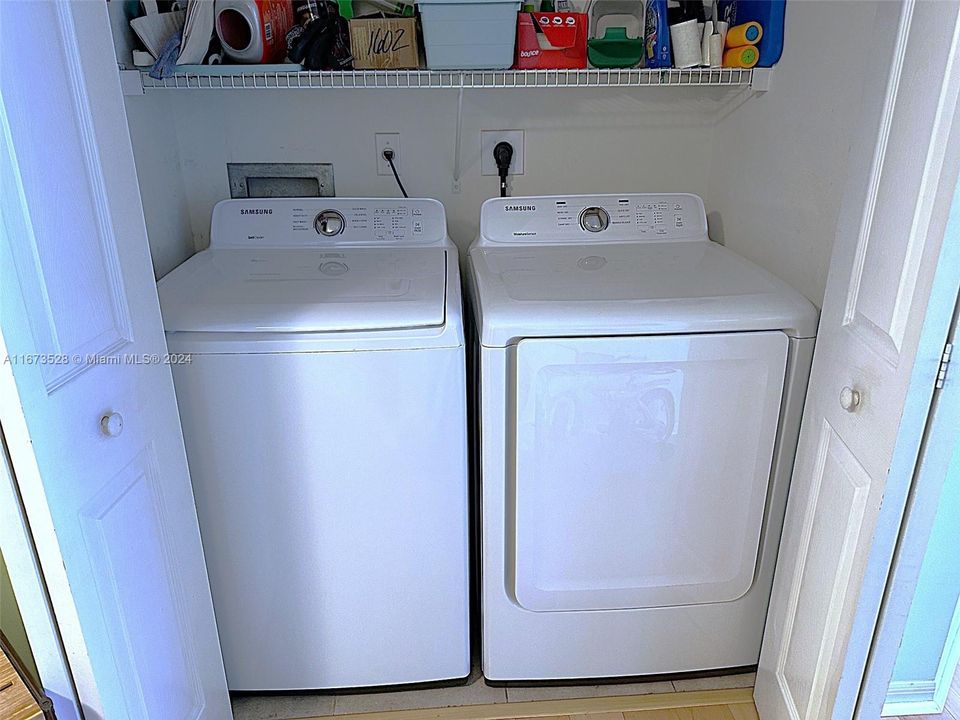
pixel 162 185
pixel 778 171
pixel 586 140
pixel 770 171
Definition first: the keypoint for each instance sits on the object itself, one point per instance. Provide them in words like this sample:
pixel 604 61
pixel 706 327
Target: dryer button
pixel 592 262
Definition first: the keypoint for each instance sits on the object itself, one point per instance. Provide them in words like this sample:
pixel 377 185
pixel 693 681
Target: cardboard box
pixel 551 40
pixel 384 43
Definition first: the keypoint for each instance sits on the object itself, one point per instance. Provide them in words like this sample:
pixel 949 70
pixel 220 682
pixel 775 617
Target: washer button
pixel 333 267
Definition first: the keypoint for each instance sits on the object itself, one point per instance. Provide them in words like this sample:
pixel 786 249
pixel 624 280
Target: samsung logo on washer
pixel 256 211
pixel 520 208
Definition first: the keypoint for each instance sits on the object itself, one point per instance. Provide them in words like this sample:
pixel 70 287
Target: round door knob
pixel 111 424
pixel 849 399
pixel 594 219
pixel 329 223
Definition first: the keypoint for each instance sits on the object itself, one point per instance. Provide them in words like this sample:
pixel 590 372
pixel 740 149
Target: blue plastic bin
pixel 469 35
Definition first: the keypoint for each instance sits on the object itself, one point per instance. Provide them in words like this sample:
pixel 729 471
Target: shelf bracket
pixel 761 79
pixel 130 82
pixel 457 142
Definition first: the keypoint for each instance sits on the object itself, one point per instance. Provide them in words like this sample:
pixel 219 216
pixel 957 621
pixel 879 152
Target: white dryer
pixel 323 409
pixel 640 393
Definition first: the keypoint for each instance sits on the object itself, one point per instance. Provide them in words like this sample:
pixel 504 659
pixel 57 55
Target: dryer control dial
pixel 594 219
pixel 329 223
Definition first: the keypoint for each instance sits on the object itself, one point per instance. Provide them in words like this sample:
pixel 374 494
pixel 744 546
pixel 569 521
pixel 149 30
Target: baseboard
pixel 911 697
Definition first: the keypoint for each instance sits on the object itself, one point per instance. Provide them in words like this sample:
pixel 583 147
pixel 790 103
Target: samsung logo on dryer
pixel 256 211
pixel 520 208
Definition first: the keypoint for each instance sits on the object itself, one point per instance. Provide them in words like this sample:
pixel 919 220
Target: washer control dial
pixel 329 223
pixel 594 219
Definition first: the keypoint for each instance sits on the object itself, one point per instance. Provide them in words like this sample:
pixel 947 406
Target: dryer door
pixel 642 466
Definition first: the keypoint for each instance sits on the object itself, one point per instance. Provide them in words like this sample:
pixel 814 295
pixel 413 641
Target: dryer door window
pixel 642 466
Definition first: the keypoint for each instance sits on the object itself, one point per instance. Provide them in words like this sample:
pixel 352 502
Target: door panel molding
pixel 884 334
pixel 135 492
pixel 848 489
pixel 35 259
pixel 95 175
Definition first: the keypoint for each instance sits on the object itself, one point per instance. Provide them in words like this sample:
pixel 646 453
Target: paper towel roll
pixel 721 27
pixel 716 50
pixel 685 39
pixel 707 30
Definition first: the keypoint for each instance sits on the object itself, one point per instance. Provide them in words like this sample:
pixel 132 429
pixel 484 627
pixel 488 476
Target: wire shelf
pixel 220 79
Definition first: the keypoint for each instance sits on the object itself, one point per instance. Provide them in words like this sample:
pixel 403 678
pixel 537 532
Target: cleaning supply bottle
pixel 656 34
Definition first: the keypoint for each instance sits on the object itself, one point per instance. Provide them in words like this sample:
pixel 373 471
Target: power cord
pixel 388 156
pixel 503 154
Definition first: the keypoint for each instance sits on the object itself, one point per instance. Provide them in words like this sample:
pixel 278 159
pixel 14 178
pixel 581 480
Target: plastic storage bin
pixel 469 34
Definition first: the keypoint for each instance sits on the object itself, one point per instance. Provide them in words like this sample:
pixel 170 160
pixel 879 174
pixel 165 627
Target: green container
pixel 615 49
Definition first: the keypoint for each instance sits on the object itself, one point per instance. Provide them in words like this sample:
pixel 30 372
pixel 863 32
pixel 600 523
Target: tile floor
pixel 477 692
pixel 740 711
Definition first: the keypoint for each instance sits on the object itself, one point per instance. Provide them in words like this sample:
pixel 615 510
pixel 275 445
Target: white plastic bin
pixel 469 34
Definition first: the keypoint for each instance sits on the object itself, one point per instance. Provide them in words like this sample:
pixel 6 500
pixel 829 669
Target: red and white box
pixel 551 41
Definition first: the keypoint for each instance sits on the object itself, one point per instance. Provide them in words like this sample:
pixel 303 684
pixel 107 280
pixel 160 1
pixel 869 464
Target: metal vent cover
pixel 273 180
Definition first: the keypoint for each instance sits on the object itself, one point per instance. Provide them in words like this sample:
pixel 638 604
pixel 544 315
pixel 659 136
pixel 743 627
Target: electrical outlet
pixel 489 140
pixel 384 141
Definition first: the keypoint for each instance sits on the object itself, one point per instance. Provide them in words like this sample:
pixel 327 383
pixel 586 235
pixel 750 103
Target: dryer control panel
pixel 593 218
pixel 308 222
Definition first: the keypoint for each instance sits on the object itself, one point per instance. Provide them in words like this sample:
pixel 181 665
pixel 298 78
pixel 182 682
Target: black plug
pixel 388 155
pixel 503 155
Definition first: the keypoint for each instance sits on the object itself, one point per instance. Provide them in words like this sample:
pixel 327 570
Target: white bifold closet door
pixel 86 398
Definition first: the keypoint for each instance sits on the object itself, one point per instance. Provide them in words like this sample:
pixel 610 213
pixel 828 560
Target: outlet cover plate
pixel 489 140
pixel 387 140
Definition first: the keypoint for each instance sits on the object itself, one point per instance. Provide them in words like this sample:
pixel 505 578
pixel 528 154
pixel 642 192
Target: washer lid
pixel 629 288
pixel 305 290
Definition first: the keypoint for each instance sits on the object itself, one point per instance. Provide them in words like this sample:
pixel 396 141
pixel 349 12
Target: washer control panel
pixel 305 222
pixel 586 218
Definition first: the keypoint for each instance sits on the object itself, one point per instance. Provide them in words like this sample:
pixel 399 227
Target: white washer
pixel 640 397
pixel 324 417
